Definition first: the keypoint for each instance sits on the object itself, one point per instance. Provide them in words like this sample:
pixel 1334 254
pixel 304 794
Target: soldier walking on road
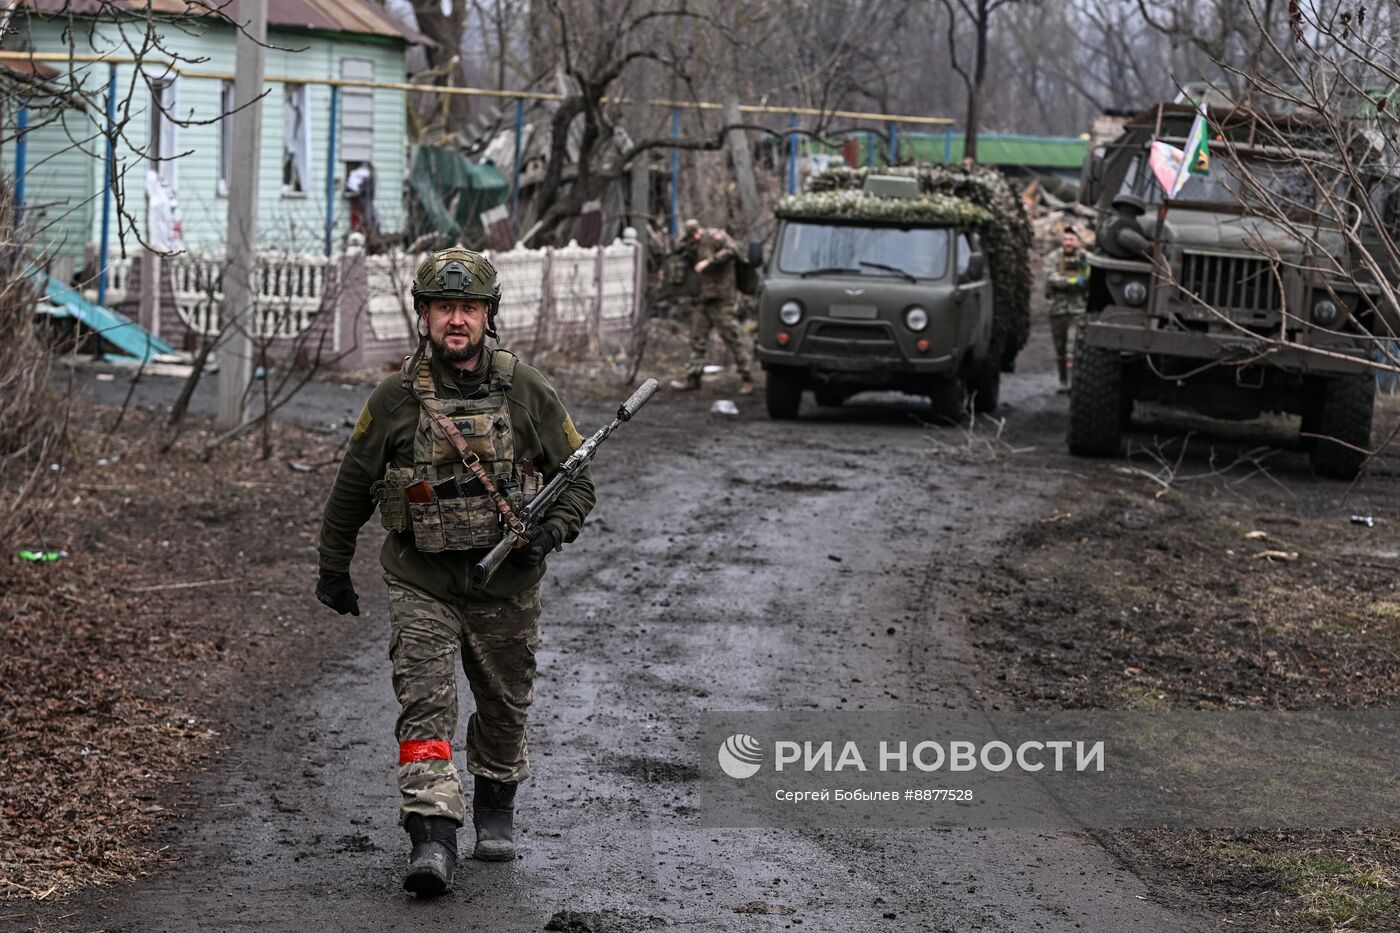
pixel 463 435
pixel 1066 282
pixel 714 253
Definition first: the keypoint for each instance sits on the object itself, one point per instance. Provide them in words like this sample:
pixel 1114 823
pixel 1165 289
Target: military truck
pixel 1237 297
pixel 880 281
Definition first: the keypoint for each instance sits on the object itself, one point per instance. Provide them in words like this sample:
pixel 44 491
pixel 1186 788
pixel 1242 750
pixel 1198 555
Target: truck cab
pixel 1237 297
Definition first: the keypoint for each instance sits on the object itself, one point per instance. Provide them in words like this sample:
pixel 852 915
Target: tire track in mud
pixel 744 564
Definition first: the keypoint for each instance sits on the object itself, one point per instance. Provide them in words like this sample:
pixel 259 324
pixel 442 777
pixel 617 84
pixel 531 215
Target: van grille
pixel 1235 285
pixel 850 340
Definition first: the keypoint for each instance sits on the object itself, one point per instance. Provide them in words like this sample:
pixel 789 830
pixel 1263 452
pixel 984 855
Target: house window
pixel 296 140
pixel 226 115
pixel 161 142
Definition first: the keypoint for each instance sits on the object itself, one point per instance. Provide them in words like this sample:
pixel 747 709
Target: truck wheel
pixel 782 392
pixel 985 387
pixel 829 398
pixel 1344 424
pixel 946 399
pixel 1096 403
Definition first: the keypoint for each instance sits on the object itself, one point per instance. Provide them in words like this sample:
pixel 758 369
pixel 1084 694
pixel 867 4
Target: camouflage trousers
pixel 1060 326
pixel 497 640
pixel 719 314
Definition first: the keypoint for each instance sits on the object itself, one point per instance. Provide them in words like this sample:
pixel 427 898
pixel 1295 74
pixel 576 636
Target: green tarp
pixel 448 192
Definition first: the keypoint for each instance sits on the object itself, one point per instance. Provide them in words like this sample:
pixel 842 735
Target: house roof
pixel 360 17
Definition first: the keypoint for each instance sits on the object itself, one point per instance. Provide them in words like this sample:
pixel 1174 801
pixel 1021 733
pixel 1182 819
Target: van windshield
pixel 870 251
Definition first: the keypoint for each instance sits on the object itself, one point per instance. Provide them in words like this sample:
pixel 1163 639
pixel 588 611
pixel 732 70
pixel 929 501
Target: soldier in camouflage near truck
pixel 713 254
pixel 461 437
pixel 1066 282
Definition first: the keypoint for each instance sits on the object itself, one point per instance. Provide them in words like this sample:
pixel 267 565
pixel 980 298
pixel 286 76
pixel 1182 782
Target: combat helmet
pixel 458 273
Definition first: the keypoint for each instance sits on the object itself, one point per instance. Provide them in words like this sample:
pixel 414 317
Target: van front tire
pixel 782 392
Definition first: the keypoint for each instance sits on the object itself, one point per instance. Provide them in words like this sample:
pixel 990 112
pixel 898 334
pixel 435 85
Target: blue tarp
pixel 120 331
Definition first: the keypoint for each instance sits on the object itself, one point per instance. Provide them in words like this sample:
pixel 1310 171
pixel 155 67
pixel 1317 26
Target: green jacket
pixel 383 437
pixel 717 282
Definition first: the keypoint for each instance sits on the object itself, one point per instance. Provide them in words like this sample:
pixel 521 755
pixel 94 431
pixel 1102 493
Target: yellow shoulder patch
pixel 362 425
pixel 571 432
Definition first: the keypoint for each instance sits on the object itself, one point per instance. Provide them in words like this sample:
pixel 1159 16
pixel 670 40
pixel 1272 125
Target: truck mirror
pixel 976 265
pixel 1091 179
pixel 755 252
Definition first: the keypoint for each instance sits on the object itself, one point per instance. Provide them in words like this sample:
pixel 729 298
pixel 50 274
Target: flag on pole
pixel 1174 167
pixel 1167 163
pixel 1197 147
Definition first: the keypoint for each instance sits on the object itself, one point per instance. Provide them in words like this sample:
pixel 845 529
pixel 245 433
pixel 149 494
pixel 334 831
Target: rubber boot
pixel 745 384
pixel 1064 378
pixel 690 384
pixel 493 811
pixel 434 855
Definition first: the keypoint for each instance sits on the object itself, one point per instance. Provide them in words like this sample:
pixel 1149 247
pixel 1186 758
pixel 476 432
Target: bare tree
pixel 975 15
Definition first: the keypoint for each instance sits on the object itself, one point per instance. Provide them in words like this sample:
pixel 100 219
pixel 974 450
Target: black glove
pixel 335 590
pixel 541 540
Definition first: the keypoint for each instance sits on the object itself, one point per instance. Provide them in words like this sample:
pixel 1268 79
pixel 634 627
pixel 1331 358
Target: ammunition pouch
pixel 440 517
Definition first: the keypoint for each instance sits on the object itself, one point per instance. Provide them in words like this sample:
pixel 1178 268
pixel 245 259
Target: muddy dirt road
pixel 828 564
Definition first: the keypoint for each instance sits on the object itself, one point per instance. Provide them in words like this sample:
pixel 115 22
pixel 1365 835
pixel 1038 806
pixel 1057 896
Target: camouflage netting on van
pixel 854 204
pixel 985 194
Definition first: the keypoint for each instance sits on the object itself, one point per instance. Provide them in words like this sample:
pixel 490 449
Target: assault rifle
pixel 514 537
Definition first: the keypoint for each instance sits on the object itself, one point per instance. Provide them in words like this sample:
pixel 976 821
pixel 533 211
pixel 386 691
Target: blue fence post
pixel 21 158
pixel 870 148
pixel 104 250
pixel 675 173
pixel 947 145
pixel 894 144
pixel 792 156
pixel 519 150
pixel 330 169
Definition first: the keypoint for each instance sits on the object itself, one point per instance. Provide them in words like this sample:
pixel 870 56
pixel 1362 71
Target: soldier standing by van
pixel 1066 283
pixel 464 434
pixel 714 254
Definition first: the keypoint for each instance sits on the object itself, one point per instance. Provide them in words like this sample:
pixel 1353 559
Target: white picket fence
pixel 553 292
pixel 578 288
pixel 118 275
pixel 290 290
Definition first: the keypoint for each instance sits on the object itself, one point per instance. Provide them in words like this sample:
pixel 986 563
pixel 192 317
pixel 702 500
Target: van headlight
pixel 916 318
pixel 790 313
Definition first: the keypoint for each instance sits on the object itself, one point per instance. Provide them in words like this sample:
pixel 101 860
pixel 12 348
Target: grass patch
pixel 1387 609
pixel 1334 892
pixel 1144 698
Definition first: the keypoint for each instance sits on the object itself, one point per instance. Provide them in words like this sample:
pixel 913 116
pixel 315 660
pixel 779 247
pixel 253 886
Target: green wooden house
pixel 184 141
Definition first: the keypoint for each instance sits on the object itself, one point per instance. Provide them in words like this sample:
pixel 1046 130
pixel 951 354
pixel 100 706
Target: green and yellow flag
pixel 1197 146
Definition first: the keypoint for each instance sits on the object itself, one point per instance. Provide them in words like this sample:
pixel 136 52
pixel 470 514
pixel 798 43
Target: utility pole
pixel 241 258
pixel 742 159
